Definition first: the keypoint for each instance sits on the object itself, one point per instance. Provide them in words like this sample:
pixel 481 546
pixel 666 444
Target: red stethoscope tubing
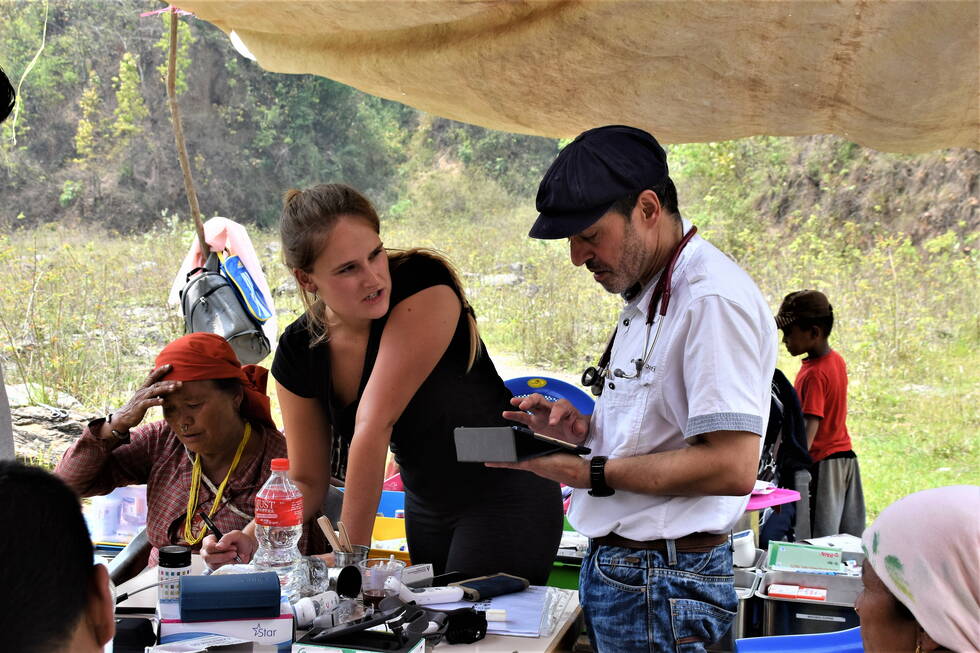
pixel 663 289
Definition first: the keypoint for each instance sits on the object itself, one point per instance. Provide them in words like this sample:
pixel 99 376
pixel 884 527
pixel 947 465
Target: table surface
pixel 565 632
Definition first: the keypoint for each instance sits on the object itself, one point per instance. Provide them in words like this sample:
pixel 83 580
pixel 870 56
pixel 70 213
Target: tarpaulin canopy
pixel 896 75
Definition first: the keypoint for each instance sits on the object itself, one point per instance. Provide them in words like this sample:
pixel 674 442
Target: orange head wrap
pixel 206 357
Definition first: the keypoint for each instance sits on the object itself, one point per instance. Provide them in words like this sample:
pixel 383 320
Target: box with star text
pixel 269 631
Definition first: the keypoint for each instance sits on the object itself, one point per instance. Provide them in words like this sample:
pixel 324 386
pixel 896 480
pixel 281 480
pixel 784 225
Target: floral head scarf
pixel 926 550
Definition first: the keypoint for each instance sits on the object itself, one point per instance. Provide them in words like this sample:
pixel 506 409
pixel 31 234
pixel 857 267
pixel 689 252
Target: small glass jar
pixel 174 562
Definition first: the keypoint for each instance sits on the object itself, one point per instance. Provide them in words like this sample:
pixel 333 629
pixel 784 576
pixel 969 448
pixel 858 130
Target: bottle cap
pixel 305 612
pixel 174 556
pixel 280 464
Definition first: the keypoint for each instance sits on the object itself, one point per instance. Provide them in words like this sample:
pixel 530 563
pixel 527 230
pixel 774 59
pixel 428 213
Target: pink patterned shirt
pixel 156 457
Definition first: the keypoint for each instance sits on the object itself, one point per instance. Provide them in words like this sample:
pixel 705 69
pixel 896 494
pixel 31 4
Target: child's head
pixel 806 319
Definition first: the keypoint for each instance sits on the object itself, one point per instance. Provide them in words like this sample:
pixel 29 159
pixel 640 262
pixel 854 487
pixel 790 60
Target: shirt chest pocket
pixel 625 402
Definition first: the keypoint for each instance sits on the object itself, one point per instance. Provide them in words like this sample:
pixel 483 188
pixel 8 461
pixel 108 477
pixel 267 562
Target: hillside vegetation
pixel 93 223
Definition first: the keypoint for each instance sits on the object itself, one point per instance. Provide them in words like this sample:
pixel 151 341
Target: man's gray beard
pixel 629 267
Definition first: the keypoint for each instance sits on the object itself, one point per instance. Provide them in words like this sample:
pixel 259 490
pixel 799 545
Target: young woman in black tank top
pixel 387 354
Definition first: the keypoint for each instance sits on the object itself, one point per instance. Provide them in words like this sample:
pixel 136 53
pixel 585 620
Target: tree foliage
pixel 95 143
pixel 131 111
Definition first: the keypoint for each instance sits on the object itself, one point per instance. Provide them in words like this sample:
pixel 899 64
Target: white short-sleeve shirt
pixel 710 370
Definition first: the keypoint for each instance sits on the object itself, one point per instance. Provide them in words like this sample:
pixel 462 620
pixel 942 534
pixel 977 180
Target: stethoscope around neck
pixel 594 376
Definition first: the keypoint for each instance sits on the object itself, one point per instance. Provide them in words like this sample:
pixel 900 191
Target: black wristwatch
pixel 597 472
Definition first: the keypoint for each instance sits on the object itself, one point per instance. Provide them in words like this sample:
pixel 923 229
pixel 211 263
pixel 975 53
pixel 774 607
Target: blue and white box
pixel 270 631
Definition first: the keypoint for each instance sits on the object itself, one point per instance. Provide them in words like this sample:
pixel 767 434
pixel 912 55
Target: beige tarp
pixel 898 75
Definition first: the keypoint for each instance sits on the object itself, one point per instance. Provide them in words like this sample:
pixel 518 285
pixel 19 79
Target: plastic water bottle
pixel 278 527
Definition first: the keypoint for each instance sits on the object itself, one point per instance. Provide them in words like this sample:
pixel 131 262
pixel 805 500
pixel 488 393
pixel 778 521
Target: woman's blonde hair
pixel 307 218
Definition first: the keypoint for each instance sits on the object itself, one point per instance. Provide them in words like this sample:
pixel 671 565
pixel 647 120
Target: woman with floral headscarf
pixel 210 453
pixel 922 573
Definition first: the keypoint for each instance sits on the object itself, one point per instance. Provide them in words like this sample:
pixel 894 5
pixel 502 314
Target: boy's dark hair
pixel 6 96
pixel 666 193
pixel 46 562
pixel 825 323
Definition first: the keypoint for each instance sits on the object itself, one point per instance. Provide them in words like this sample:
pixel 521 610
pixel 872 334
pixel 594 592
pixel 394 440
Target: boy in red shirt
pixel 806 319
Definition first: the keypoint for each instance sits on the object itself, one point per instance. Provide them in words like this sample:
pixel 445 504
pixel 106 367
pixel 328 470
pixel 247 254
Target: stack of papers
pixel 524 611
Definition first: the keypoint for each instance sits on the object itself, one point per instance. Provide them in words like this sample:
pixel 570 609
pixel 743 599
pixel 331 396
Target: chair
pixel 552 390
pixel 841 641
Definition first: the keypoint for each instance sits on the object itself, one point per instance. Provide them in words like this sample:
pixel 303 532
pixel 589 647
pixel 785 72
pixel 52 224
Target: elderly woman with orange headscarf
pixel 209 454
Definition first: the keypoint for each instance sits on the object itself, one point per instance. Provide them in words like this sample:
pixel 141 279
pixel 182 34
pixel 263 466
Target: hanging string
pixel 30 66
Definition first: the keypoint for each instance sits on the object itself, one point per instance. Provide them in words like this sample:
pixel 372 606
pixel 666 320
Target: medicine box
pixel 271 631
pixel 792 556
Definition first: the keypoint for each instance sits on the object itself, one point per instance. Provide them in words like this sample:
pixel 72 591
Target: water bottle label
pixel 278 512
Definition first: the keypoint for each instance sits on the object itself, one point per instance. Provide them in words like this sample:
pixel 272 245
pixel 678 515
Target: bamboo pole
pixel 185 165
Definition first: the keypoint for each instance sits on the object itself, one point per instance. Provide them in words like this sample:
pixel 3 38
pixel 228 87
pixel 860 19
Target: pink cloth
pixel 224 234
pixel 926 549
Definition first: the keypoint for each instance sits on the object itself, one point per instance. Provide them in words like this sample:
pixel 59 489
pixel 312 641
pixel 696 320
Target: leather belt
pixel 693 543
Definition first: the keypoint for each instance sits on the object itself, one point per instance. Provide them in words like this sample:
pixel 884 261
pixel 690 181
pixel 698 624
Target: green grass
pixel 84 312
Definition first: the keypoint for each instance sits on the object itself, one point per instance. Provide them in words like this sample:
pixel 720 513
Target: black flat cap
pixel 595 170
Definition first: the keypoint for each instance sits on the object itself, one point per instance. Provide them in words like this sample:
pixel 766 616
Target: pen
pixel 214 529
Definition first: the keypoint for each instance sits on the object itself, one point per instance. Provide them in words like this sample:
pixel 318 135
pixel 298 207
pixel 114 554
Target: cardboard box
pixel 274 631
pixel 812 594
pixel 779 591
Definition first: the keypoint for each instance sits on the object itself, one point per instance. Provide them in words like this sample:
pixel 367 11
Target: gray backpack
pixel 212 304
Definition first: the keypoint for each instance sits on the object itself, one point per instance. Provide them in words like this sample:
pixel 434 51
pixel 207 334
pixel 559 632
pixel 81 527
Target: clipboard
pixel 507 444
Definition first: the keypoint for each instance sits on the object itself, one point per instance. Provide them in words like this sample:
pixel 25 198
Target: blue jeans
pixel 636 600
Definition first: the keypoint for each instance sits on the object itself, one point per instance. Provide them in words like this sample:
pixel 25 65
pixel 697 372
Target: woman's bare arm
pixel 416 336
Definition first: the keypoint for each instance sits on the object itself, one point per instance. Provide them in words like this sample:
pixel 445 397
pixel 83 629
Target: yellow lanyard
pixel 196 484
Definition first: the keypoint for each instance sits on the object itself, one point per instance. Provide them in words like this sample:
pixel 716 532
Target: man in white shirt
pixel 685 386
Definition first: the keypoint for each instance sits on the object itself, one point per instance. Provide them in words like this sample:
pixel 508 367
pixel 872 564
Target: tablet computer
pixel 507 444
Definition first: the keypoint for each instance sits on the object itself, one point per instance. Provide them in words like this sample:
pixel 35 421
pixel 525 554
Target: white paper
pixel 196 644
pixel 843 541
pixel 524 611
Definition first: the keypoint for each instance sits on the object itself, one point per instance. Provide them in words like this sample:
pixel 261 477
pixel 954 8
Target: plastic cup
pixel 374 573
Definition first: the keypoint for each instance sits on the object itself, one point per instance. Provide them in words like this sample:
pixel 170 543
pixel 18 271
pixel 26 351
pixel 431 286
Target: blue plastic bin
pixel 390 502
pixel 841 641
pixel 553 390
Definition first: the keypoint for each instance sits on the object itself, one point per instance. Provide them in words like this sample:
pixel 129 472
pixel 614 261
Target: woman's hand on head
pixel 150 394
pixel 217 553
